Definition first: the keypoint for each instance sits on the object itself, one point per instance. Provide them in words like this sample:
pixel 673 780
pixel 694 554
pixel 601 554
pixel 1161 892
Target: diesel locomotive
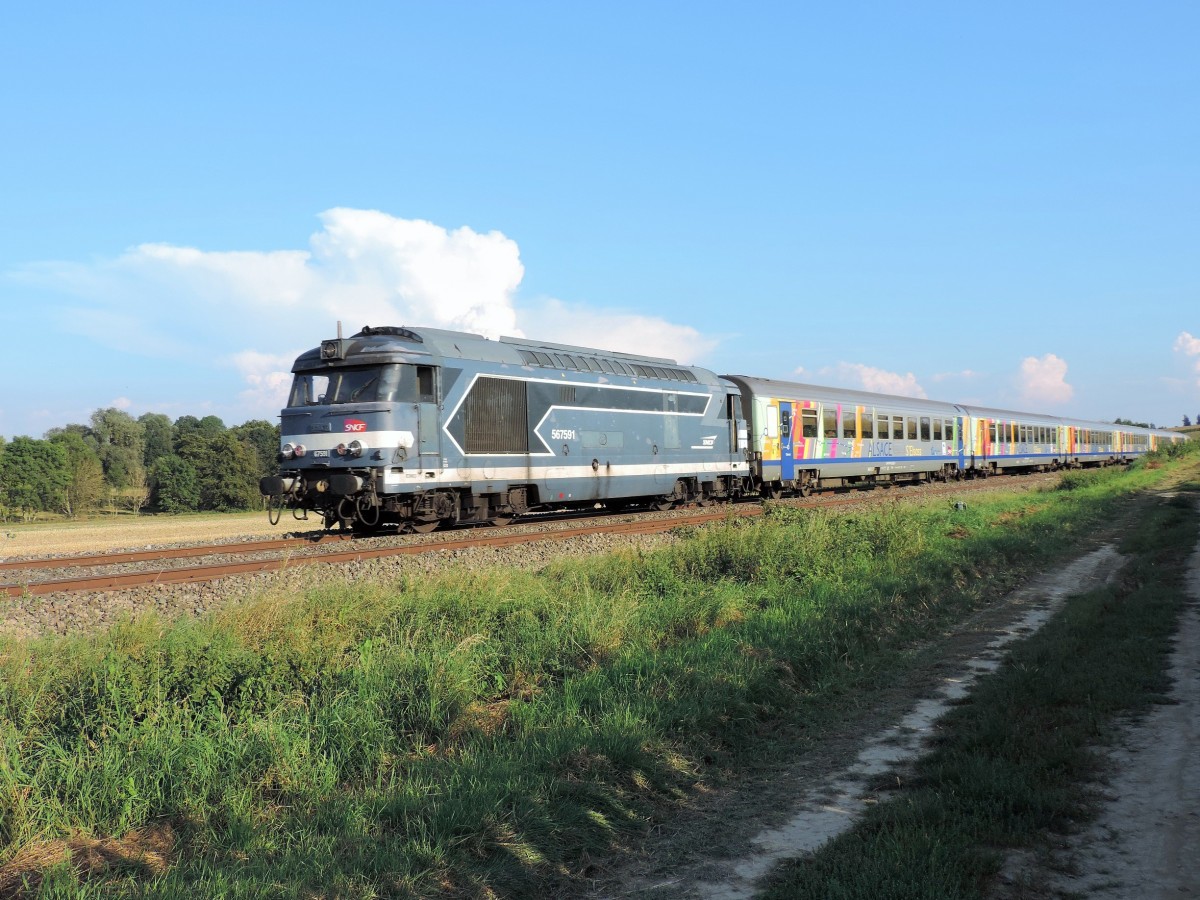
pixel 412 428
pixel 416 428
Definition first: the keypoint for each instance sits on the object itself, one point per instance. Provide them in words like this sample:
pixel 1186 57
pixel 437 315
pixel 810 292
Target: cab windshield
pixel 364 384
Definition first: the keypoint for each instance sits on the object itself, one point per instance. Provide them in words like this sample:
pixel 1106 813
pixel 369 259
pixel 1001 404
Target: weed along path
pixel 804 809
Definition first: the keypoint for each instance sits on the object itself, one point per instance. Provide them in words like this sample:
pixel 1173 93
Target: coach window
pixel 937 429
pixel 849 428
pixel 924 428
pixel 897 428
pixel 830 423
pixel 808 419
pixel 949 429
pixel 910 428
pixel 883 428
pixel 868 426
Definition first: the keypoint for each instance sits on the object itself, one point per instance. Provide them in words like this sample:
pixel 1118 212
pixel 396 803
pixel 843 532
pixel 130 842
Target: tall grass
pixel 485 732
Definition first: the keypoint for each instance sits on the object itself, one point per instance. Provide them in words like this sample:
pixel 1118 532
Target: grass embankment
pixel 485 732
pixel 1016 762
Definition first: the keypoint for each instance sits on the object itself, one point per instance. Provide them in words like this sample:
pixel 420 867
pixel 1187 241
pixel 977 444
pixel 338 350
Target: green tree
pixel 34 476
pixel 174 485
pixel 86 485
pixel 228 475
pixel 184 426
pixel 211 426
pixel 120 444
pixel 158 436
pixel 263 439
pixel 226 468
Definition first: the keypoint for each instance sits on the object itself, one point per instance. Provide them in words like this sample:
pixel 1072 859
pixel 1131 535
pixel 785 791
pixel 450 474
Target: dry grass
pixel 143 850
pixel 127 532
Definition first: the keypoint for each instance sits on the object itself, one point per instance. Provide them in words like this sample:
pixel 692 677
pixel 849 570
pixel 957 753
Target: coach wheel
pixel 424 527
pixel 503 517
pixel 772 490
pixel 806 489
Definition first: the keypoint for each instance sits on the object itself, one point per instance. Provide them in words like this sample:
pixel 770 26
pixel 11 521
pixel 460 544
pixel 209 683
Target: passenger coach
pixel 805 436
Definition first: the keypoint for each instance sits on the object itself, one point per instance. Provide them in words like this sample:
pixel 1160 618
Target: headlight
pixel 287 451
pixel 356 448
pixel 300 450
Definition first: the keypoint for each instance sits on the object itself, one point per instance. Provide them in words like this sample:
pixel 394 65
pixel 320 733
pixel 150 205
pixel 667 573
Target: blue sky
pixel 993 203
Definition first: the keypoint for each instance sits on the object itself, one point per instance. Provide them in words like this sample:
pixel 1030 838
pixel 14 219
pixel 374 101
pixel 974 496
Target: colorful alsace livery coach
pixel 410 429
pixel 806 437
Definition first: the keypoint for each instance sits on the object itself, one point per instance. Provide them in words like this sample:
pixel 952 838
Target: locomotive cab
pixel 358 414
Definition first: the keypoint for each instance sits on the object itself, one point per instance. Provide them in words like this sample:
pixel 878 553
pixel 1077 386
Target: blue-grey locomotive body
pixel 421 427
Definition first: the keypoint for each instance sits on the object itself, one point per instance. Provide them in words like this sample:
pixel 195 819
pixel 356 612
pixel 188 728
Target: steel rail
pixel 195 574
pixel 119 557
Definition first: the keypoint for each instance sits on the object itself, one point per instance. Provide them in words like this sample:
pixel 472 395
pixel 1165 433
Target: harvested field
pixel 113 532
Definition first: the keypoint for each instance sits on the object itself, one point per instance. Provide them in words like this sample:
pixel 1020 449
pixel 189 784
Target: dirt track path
pixel 1145 845
pixel 738 836
pixel 1146 842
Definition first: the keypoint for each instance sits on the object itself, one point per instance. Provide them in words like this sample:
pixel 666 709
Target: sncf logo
pixel 354 425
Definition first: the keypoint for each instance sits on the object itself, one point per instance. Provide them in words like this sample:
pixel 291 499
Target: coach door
pixel 960 422
pixel 787 458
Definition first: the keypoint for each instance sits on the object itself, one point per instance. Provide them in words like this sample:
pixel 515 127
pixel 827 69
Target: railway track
pixel 276 554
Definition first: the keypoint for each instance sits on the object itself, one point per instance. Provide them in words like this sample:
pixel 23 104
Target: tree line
pixel 117 462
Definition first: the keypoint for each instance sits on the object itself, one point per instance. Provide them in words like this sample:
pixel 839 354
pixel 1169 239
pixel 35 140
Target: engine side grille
pixel 496 415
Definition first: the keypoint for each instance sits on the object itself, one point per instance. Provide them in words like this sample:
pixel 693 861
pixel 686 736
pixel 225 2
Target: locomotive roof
pixel 384 343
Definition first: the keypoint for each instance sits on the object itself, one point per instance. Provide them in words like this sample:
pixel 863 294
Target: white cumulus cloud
pixel 879 381
pixel 267 377
pixel 250 309
pixel 1043 380
pixel 627 332
pixel 1188 345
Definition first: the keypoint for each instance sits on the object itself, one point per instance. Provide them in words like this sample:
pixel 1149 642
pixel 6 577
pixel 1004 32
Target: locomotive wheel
pixel 502 518
pixel 424 527
pixel 662 504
